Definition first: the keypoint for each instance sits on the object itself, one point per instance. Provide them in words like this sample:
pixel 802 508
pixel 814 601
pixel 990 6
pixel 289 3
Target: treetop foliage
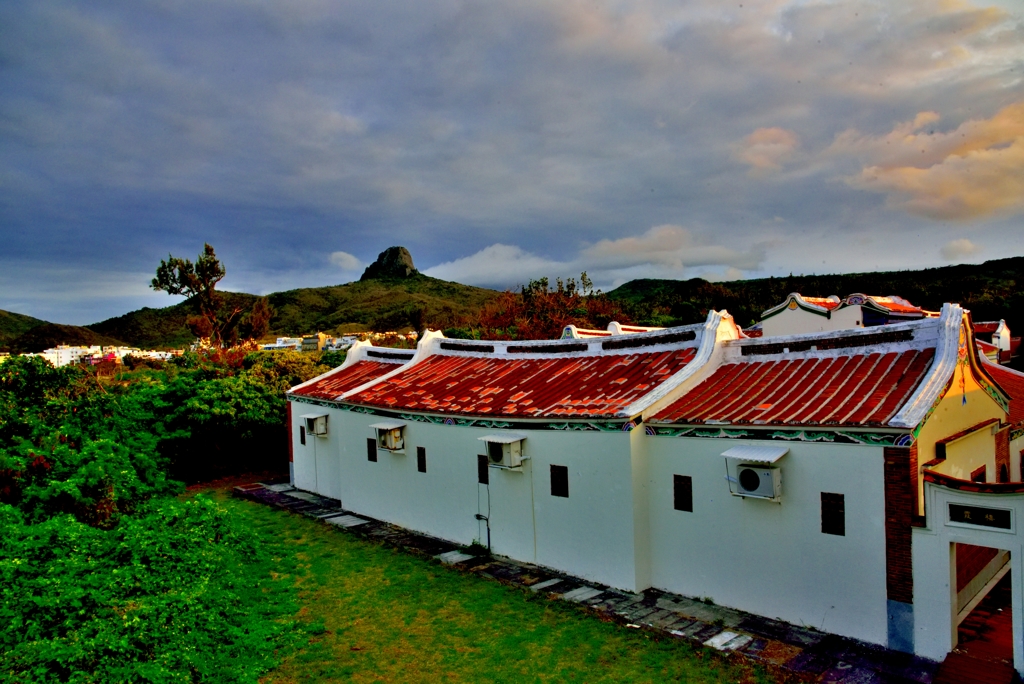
pixel 540 312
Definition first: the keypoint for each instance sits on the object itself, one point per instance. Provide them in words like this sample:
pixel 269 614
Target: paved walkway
pixel 799 653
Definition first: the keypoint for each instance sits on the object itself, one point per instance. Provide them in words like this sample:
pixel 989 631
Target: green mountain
pixel 14 324
pixel 372 304
pixel 992 290
pixel 46 335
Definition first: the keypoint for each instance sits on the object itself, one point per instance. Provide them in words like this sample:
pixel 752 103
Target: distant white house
pixel 836 479
pixel 799 314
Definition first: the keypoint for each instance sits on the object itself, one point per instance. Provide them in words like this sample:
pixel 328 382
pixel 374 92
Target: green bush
pixel 174 594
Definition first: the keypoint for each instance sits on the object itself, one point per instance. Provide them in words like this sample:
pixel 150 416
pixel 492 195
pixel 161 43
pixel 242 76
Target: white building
pixel 799 314
pixel 819 478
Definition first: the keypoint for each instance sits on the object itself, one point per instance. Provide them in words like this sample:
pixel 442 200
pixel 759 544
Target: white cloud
pixel 669 246
pixel 345 261
pixel 498 266
pixel 954 250
pixel 665 251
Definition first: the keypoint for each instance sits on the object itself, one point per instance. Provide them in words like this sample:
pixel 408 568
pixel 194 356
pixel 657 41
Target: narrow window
pixel 302 434
pixel 421 459
pixel 833 514
pixel 682 493
pixel 978 475
pixel 482 475
pixel 560 481
pixel 371 449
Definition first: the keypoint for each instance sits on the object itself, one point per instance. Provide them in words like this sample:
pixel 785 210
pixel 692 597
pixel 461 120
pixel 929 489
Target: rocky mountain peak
pixel 393 262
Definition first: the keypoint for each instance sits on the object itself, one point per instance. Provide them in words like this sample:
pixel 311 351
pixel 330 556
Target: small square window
pixel 833 514
pixel 482 475
pixel 302 435
pixel 560 481
pixel 421 459
pixel 682 493
pixel 371 449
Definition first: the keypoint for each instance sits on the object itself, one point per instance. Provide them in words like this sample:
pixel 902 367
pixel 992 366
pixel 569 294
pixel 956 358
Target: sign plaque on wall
pixel 998 518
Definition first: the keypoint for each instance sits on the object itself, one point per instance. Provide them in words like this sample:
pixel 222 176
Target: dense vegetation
pixel 106 576
pixel 14 324
pixel 991 291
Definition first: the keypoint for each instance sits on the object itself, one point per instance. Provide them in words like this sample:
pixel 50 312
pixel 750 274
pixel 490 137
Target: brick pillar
pixel 900 504
pixel 1003 455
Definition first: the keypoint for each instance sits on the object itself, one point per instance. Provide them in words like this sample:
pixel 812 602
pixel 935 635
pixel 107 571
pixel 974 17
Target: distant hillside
pixel 992 290
pixel 372 304
pixel 14 324
pixel 48 335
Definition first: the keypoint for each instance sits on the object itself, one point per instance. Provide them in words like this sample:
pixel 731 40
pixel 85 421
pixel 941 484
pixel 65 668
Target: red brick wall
pixel 900 497
pixel 915 482
pixel 1003 455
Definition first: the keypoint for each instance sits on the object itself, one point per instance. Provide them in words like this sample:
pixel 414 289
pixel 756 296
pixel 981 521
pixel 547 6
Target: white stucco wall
pixel 591 534
pixel 795 322
pixel 769 558
pixel 934 566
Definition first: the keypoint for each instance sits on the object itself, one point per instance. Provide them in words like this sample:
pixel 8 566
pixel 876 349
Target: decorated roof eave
pixel 708 342
pixel 374 409
pixel 937 382
pixel 772 427
pixel 800 302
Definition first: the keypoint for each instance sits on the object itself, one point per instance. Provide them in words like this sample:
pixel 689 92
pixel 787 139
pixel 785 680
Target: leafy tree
pixel 538 312
pixel 198 281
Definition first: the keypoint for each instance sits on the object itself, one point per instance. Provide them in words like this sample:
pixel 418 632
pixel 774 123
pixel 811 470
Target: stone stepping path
pixel 453 557
pixel 798 653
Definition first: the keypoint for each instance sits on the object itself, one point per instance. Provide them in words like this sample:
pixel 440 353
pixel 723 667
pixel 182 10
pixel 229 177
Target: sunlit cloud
pixel 767 149
pixel 974 170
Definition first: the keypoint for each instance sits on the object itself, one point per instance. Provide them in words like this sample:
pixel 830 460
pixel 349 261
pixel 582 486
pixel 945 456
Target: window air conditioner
pixel 504 450
pixel 316 425
pixel 390 435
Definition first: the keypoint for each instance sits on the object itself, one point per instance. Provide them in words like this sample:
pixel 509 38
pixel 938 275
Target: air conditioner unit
pixel 391 440
pixel 390 435
pixel 316 424
pixel 757 480
pixel 504 450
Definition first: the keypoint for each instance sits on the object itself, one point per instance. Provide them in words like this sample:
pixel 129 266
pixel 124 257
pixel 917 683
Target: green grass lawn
pixel 378 614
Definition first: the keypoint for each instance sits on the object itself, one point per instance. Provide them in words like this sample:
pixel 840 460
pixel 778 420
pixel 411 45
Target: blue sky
pixel 500 141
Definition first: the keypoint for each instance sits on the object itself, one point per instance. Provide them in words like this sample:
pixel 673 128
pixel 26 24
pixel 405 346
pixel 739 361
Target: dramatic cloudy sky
pixel 500 140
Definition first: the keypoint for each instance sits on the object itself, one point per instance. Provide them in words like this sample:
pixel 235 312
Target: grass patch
pixel 377 614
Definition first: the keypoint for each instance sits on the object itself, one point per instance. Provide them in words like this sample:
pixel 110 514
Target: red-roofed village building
pixel 842 478
pixel 799 314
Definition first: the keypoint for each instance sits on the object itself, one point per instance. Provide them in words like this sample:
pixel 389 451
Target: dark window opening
pixel 302 434
pixel 560 481
pixel 833 514
pixel 1004 473
pixel 482 475
pixel 371 449
pixel 978 475
pixel 682 493
pixel 421 459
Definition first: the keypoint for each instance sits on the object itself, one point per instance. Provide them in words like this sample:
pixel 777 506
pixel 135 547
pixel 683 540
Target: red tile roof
pixel 345 379
pixel 578 386
pixel 897 305
pixel 1012 383
pixel 985 326
pixel 823 302
pixel 863 389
